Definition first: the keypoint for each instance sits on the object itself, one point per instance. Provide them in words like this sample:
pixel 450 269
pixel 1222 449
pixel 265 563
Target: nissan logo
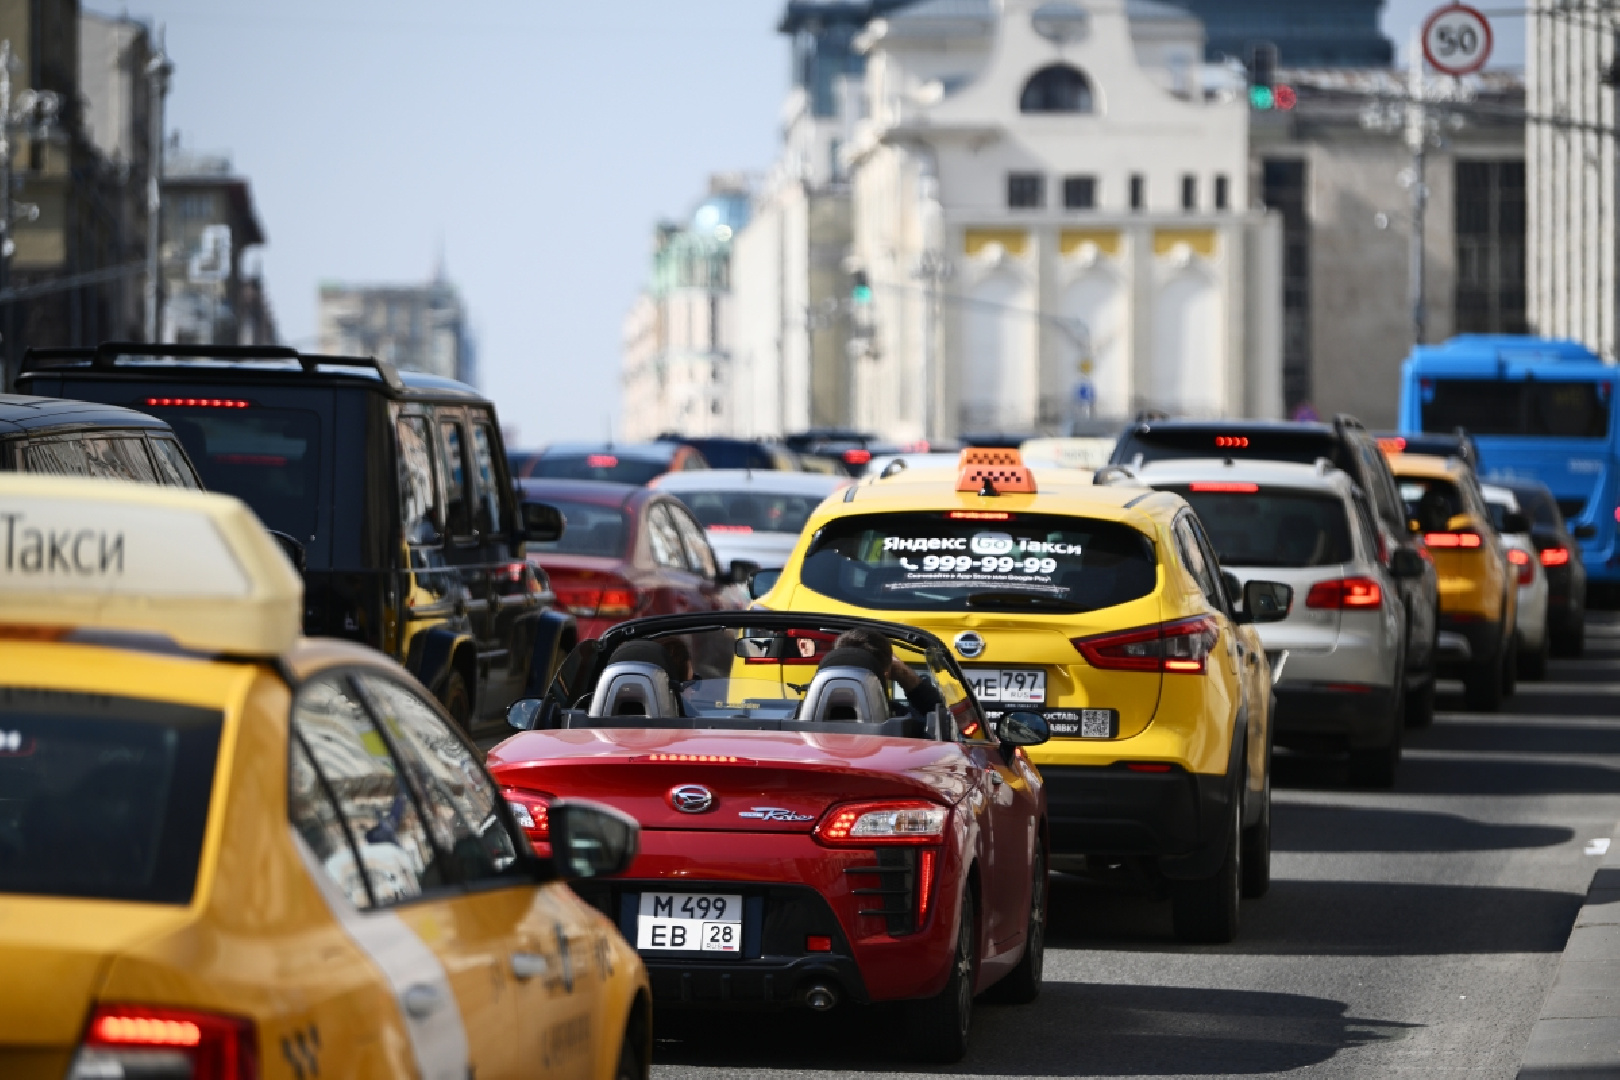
pixel 970 645
pixel 691 798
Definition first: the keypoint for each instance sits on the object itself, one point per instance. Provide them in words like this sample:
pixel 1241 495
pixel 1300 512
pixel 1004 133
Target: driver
pixel 921 694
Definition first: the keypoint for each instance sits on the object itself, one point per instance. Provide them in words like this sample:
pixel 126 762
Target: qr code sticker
pixel 1096 724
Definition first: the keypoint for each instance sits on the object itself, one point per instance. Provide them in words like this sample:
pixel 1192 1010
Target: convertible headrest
pixel 634 688
pixel 846 694
pixel 855 657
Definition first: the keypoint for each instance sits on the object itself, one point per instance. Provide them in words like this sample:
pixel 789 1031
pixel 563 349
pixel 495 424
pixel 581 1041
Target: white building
pixel 1051 202
pixel 1571 177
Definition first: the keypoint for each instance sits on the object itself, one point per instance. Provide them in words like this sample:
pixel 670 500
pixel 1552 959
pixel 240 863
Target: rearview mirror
pixel 290 548
pixel 763 582
pixel 1267 601
pixel 542 524
pixel 1514 522
pixel 523 714
pixel 1023 729
pixel 589 840
pixel 1406 563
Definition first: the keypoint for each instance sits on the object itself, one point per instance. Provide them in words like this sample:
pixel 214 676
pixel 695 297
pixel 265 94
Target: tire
pixel 1256 862
pixel 939 1025
pixel 1205 912
pixel 1484 684
pixel 1533 662
pixel 457 700
pixel 1420 705
pixel 630 1066
pixel 1022 984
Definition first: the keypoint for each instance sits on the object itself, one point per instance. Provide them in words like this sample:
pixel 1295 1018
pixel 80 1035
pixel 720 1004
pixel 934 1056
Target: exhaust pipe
pixel 821 998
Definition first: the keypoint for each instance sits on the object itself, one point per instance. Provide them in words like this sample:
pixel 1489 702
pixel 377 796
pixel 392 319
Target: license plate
pixel 1008 686
pixel 1084 723
pixel 690 922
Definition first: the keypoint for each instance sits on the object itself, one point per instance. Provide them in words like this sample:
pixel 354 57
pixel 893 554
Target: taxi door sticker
pixel 415 977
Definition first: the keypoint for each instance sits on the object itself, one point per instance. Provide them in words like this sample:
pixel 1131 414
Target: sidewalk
pixel 1578 1033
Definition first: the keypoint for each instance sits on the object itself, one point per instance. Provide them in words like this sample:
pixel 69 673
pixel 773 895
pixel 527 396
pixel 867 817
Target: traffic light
pixel 860 289
pixel 1264 92
pixel 1269 98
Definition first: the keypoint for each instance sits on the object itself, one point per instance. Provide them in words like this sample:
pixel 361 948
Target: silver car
pixel 1343 676
pixel 1520 547
pixel 751 516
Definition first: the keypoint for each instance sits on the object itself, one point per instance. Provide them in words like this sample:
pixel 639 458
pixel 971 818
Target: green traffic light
pixel 1261 97
pixel 861 294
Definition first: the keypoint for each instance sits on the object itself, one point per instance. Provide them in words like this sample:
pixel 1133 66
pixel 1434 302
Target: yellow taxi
pixel 228 852
pixel 1479 599
pixel 1104 608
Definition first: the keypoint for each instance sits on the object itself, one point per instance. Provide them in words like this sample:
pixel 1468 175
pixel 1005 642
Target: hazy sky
pixel 534 143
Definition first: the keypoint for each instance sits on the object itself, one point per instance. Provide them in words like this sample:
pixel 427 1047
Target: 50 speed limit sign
pixel 1457 40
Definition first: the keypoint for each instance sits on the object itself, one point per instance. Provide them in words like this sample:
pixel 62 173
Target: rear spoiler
pixel 107 355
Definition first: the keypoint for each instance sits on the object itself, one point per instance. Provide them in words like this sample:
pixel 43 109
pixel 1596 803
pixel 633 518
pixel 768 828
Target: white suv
pixel 1310 526
pixel 1520 548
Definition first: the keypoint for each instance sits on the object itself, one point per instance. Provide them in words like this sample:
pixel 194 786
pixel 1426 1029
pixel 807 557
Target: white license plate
pixel 689 922
pixel 1008 686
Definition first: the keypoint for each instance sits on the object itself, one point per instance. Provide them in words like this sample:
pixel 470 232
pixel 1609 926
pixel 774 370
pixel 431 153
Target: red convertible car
pixel 811 835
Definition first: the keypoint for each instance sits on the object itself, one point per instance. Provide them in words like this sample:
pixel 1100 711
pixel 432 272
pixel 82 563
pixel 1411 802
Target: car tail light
pixel 865 824
pixel 587 601
pixel 1180 647
pixel 618 602
pixel 1526 565
pixel 532 809
pixel 730 528
pixel 980 515
pixel 1226 442
pixel 166 1044
pixel 1453 540
pixel 1351 592
pixel 817 943
pixel 857 457
pixel 601 461
pixel 1149 766
pixel 925 883
pixel 1392 444
pixel 195 403
pixel 1555 556
pixel 1236 487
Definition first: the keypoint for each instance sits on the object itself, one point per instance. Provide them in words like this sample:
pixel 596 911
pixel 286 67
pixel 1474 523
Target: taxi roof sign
pixel 994 471
pixel 197 568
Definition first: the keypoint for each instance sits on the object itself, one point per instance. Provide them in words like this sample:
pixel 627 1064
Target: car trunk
pixel 1306 629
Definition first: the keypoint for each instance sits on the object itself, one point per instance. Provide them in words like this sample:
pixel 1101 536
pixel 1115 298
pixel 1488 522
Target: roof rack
pixel 105 357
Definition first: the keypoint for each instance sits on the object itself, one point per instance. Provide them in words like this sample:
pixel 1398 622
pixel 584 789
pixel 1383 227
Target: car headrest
pixel 856 657
pixel 634 688
pixel 846 694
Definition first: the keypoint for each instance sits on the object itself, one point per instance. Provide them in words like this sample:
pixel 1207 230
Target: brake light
pixel 694 759
pixel 601 461
pixel 578 601
pixel 857 457
pixel 163 1043
pixel 618 602
pixel 817 943
pixel 1527 568
pixel 925 883
pixel 979 515
pixel 195 403
pixel 1226 485
pixel 1555 556
pixel 1453 540
pixel 1351 592
pixel 1235 441
pixel 1180 647
pixel 532 809
pixel 1149 766
pixel 731 528
pixel 587 601
pixel 272 460
pixel 864 824
pixel 1392 444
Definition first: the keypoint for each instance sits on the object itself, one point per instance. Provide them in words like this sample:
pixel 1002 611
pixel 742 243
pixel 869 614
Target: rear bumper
pixel 1467 642
pixel 1176 817
pixel 756 984
pixel 1333 715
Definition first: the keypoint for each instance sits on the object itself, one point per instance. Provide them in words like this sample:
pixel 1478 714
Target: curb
pixel 1578 1033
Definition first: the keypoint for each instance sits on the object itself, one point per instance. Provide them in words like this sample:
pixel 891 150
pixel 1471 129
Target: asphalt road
pixel 1407 932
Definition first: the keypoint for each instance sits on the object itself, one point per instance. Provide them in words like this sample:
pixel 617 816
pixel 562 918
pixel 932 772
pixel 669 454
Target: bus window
pixel 1572 410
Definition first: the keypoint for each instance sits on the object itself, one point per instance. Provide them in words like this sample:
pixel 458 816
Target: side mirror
pixel 542 524
pixel 1267 601
pixel 1406 563
pixel 523 714
pixel 589 840
pixel 1023 729
pixel 741 573
pixel 763 582
pixel 1514 522
pixel 290 548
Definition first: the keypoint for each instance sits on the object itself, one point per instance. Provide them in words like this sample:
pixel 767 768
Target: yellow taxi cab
pixel 228 852
pixel 1104 608
pixel 1478 588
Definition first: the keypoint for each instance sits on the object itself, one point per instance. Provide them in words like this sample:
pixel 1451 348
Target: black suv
pixel 1347 445
pixel 395 484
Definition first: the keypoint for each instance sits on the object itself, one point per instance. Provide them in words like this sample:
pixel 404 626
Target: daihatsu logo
pixel 691 798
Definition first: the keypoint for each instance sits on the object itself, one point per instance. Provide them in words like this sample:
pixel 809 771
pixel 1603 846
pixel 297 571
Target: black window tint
pixel 489 480
pixel 1179 443
pixel 418 506
pixel 172 467
pixel 1432 503
pixel 751 511
pixel 268 458
pixel 603 466
pixel 1274 527
pixel 591 530
pixel 103 797
pixel 455 480
pixel 316 818
pixel 1578 410
pixel 385 827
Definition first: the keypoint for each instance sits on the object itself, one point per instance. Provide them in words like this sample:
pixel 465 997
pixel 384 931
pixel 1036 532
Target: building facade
pixel 414 327
pixel 213 290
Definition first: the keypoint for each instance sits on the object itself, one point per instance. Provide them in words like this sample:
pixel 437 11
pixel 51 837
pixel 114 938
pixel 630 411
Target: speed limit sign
pixel 1457 40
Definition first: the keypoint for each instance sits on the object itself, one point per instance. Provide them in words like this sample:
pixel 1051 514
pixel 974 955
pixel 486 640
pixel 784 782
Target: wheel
pixel 630 1065
pixel 1022 985
pixel 939 1025
pixel 1420 705
pixel 1205 912
pixel 1533 662
pixel 457 700
pixel 1484 684
pixel 1256 858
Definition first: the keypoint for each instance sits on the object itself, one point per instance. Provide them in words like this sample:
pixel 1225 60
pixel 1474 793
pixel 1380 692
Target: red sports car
pixel 811 835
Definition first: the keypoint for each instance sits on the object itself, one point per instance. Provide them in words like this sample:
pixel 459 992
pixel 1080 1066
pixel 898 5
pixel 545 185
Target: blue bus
pixel 1538 409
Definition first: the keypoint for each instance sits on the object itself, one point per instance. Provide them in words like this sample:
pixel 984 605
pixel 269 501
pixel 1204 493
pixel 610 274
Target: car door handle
pixel 526 965
pixel 421 1001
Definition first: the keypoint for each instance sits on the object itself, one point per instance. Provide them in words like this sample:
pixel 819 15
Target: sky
pixel 531 145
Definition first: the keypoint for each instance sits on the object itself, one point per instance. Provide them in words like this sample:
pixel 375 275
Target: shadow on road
pixel 1531 737
pixel 1074 1029
pixel 1304 827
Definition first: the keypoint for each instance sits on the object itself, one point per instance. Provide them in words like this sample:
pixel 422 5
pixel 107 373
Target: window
pixel 54 457
pixel 172 467
pixel 107 457
pixel 490 483
pixel 665 539
pixel 751 511
pixel 1223 192
pixel 1572 409
pixel 1080 193
pixel 316 820
pixel 1212 565
pixel 418 508
pixel 456 514
pixel 396 858
pixel 1192 557
pixel 1189 192
pixel 1274 528
pixel 1284 187
pixel 1056 89
pixel 269 458
pixel 1490 225
pixel 699 557
pixel 592 530
pixel 1138 191
pixel 1026 191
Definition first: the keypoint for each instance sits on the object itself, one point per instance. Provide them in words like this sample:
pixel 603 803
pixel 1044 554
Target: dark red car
pixel 810 837
pixel 626 552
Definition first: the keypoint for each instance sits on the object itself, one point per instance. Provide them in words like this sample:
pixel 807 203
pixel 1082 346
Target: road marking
pixel 1599 846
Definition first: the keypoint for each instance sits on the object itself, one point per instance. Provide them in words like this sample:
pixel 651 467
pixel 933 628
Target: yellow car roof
pixel 1426 465
pixel 1058 491
pixel 194 567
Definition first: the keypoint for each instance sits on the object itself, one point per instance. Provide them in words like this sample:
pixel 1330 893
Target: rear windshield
pixel 1272 527
pixel 1577 410
pixel 1164 444
pixel 269 458
pixel 590 530
pixel 101 797
pixel 1539 506
pixel 933 562
pixel 604 466
pixel 750 511
pixel 1431 503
